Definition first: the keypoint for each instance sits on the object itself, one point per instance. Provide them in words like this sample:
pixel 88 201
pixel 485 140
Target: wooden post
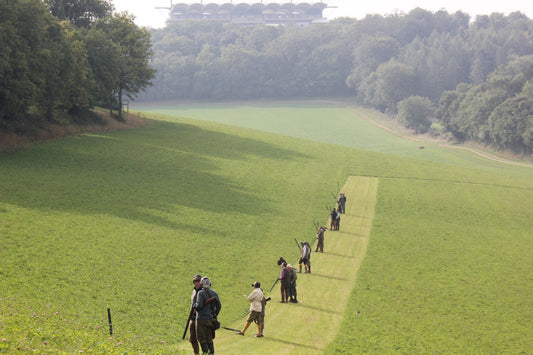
pixel 109 319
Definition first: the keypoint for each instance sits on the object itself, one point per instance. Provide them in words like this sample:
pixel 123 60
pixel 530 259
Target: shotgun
pixel 298 244
pixel 275 282
pixel 191 312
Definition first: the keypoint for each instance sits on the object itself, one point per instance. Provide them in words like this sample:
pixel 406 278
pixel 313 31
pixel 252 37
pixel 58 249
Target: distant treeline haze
pixel 407 65
pixel 60 57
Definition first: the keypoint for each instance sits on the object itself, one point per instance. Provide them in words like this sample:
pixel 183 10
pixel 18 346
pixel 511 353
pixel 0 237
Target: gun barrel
pixel 210 300
pixel 298 244
pixel 188 321
pixel 275 282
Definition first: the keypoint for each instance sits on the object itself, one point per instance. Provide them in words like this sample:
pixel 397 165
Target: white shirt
pixel 255 299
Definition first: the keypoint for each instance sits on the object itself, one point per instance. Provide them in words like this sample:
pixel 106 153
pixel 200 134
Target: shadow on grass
pixel 148 174
pixel 340 255
pixel 303 304
pixel 298 345
pixel 359 235
pixel 328 276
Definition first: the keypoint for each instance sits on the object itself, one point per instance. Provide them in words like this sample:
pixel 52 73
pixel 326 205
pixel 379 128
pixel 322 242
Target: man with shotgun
pixel 285 279
pixel 191 321
pixel 320 239
pixel 305 257
pixel 207 307
pixel 342 203
pixel 256 299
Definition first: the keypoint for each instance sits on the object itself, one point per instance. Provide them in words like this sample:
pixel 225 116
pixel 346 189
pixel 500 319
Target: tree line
pixel 416 66
pixel 60 58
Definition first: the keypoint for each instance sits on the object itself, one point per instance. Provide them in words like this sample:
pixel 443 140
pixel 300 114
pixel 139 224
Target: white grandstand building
pixel 271 13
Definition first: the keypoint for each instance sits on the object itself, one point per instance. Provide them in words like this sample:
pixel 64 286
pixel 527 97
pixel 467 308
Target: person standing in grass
pixel 338 219
pixel 320 239
pixel 263 311
pixel 305 257
pixel 333 215
pixel 284 277
pixel 193 339
pixel 207 307
pixel 292 286
pixel 256 299
pixel 342 203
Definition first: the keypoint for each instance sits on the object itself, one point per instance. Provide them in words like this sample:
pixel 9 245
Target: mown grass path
pixel 308 327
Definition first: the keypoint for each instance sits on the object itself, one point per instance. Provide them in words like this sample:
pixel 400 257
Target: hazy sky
pixel 147 15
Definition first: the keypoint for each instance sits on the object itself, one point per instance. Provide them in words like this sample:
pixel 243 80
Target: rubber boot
pixel 211 347
pixel 205 348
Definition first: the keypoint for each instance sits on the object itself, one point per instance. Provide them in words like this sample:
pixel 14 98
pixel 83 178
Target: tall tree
pixel 370 53
pixel 120 54
pixel 35 64
pixel 394 82
pixel 511 124
pixel 415 112
pixel 82 13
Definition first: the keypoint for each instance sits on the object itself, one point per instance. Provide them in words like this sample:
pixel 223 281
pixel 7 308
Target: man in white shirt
pixel 255 298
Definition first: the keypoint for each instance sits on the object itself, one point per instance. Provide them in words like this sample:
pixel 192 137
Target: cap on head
pixel 256 284
pixel 206 283
pixel 197 278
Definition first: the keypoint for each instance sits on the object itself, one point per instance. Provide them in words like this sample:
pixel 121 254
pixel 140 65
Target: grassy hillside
pixel 333 122
pixel 448 270
pixel 123 220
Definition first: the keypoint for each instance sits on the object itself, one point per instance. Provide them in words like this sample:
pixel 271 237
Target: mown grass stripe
pixel 308 327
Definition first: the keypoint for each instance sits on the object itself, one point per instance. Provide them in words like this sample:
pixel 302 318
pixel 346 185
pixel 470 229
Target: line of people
pixel 206 305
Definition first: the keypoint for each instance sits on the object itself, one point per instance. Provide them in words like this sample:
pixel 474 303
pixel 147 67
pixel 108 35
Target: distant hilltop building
pixel 289 14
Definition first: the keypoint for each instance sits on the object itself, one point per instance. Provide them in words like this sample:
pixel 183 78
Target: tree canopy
pixel 58 56
pixel 498 111
pixel 49 66
pixel 80 13
pixel 380 61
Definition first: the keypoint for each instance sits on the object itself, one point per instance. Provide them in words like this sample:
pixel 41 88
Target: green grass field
pixel 329 122
pixel 123 220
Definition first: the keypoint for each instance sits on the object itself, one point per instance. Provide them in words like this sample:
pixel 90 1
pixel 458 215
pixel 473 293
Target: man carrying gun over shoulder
pixel 342 203
pixel 320 239
pixel 207 307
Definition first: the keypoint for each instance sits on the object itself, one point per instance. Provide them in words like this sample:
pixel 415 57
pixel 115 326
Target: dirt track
pixel 478 152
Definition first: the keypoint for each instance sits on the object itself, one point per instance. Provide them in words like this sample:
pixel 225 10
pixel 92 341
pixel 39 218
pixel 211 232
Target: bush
pixel 415 112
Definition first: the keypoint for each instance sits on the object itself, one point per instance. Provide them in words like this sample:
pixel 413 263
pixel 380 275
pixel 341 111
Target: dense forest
pixel 474 75
pixel 59 58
